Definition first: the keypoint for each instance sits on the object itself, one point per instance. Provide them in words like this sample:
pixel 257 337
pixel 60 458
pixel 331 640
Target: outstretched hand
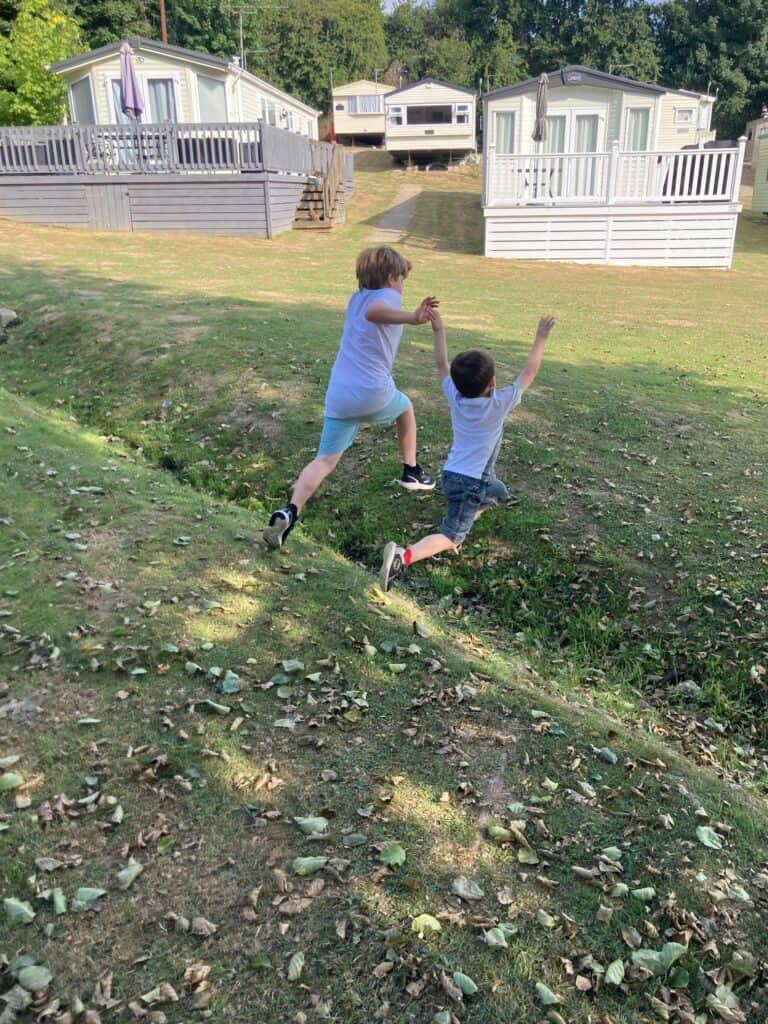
pixel 421 313
pixel 435 319
pixel 545 327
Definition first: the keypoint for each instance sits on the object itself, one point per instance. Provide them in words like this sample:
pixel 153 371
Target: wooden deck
pixel 223 179
pixel 647 208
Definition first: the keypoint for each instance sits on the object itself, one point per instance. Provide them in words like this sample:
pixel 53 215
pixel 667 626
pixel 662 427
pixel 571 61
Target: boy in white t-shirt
pixel 478 411
pixel 361 389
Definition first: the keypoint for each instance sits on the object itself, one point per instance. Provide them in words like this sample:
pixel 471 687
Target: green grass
pixel 138 354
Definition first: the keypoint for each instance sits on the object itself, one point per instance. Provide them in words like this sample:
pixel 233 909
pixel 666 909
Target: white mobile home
pixel 760 164
pixel 358 110
pixel 429 118
pixel 178 86
pixel 753 130
pixel 627 173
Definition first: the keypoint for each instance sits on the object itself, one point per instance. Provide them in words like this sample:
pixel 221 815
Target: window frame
pixel 174 80
pixel 394 112
pixel 685 120
pixel 85 78
pixel 219 81
pixel 513 133
pixel 462 108
pixel 648 109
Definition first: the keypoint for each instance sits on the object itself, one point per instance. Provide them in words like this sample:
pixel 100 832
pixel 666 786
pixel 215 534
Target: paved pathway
pixel 394 223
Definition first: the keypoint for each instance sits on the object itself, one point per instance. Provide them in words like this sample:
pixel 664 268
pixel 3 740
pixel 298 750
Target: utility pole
pixel 163 23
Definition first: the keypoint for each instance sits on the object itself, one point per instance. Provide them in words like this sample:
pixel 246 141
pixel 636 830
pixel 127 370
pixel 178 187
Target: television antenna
pixel 239 10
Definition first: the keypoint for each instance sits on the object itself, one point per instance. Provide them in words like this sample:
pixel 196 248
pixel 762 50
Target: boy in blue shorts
pixel 478 411
pixel 361 389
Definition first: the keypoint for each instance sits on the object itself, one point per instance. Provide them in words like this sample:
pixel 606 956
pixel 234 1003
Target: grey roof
pixel 139 43
pixel 576 74
pixel 430 81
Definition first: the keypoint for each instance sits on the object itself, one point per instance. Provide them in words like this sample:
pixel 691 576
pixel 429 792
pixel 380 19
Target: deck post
pixel 613 169
pixel 739 169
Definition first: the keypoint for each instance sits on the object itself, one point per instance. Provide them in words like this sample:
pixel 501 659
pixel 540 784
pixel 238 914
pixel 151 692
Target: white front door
pixel 574 131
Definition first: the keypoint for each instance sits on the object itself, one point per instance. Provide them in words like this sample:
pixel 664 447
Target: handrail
pixel 199 148
pixel 673 176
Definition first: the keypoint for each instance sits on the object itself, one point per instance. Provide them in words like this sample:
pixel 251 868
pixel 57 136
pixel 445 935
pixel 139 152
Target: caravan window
pixel 364 104
pixel 683 115
pixel 395 115
pixel 505 132
pixel 430 115
pixel 636 135
pixel 81 101
pixel 162 100
pixel 212 94
pixel 461 113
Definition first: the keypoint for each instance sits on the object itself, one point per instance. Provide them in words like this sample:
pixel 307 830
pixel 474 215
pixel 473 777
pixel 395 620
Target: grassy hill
pixel 501 744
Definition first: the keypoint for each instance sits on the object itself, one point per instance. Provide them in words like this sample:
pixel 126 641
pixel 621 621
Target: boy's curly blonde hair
pixel 375 265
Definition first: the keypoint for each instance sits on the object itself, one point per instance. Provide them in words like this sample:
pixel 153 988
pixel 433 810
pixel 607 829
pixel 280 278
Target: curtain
pixel 368 104
pixel 555 140
pixel 637 128
pixel 505 132
pixel 162 106
pixel 213 101
pixel 120 117
pixel 586 133
pixel 82 102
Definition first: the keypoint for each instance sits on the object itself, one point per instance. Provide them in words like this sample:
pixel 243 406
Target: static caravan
pixel 179 86
pixel 429 120
pixel 760 164
pixel 358 110
pixel 627 172
pixel 755 128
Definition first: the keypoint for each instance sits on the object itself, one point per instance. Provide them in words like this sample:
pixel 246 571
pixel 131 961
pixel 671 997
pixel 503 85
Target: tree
pixel 106 21
pixel 41 34
pixel 298 45
pixel 718 44
pixel 616 34
pixel 205 25
pixel 8 11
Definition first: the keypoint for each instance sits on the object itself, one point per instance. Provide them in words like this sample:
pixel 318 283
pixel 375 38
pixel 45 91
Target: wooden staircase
pixel 322 202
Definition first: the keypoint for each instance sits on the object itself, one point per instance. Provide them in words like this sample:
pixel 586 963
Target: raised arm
pixel 531 368
pixel 441 349
pixel 380 312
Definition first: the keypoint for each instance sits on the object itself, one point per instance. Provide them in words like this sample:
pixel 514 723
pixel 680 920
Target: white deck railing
pixel 674 176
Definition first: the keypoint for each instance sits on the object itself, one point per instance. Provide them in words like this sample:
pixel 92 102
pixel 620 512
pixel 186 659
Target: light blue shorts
pixel 338 435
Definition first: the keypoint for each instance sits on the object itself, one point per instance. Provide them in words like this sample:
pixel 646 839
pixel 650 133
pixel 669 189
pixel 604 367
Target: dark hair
pixel 472 372
pixel 375 265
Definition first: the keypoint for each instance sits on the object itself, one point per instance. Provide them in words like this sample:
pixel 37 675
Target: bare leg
pixel 311 477
pixel 431 545
pixel 406 436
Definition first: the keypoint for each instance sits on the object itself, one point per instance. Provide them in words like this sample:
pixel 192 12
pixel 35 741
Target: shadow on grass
pixel 464 730
pixel 239 420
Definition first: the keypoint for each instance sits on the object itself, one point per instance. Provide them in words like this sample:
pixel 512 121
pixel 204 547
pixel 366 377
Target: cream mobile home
pixel 430 119
pixel 627 172
pixel 179 86
pixel 358 110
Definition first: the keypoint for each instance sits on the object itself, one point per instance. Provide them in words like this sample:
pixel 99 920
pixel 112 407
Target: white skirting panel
pixel 650 236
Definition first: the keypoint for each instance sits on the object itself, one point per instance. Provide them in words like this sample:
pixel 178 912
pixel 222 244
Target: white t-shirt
pixel 361 378
pixel 478 425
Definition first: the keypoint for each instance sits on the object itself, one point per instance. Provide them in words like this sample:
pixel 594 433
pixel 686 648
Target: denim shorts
pixel 338 435
pixel 465 495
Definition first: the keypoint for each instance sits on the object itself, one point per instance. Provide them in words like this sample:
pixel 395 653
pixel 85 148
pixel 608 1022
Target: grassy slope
pixel 186 337
pixel 458 720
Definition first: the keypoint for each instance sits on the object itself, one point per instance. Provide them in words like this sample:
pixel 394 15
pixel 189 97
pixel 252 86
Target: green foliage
pixel 725 44
pixel 105 21
pixel 297 45
pixel 42 33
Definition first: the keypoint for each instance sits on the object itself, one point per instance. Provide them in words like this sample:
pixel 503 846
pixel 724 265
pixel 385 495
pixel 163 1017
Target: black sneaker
pixel 392 565
pixel 416 480
pixel 281 523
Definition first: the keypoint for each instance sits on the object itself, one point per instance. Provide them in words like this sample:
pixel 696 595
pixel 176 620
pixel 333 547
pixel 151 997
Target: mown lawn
pixel 531 684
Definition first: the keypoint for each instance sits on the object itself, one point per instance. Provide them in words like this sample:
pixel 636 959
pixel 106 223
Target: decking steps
pixel 310 211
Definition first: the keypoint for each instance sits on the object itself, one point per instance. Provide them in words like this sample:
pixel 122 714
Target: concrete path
pixel 394 223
